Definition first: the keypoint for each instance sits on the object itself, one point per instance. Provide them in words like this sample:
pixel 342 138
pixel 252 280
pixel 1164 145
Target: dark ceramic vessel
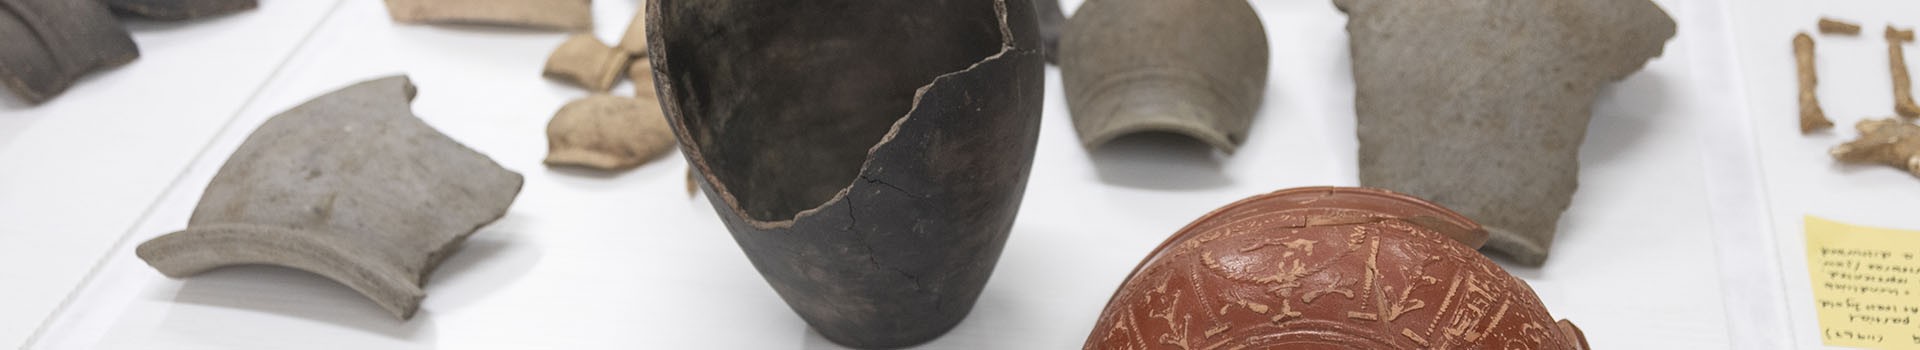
pixel 868 156
pixel 1328 268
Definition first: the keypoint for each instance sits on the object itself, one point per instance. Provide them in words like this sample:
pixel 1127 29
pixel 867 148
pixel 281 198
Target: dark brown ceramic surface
pixel 869 157
pixel 1327 268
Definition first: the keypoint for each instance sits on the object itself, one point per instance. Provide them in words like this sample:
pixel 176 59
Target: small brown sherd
pixel 350 186
pixel 608 133
pixel 1811 117
pixel 641 73
pixel 585 61
pixel 1888 141
pixel 635 41
pixel 1902 83
pixel 1838 27
pixel 570 15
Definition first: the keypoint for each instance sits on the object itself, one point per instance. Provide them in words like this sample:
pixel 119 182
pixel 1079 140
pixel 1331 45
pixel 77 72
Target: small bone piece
pixel 608 133
pixel 1888 141
pixel 569 15
pixel 1811 117
pixel 1482 106
pixel 635 41
pixel 583 60
pixel 350 186
pixel 174 10
pixel 47 44
pixel 1838 27
pixel 1902 83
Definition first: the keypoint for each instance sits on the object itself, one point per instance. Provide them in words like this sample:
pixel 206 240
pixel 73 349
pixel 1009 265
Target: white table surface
pixel 627 260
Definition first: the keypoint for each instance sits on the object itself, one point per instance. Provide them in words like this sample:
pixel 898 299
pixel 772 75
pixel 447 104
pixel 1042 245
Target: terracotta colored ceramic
pixel 1327 268
pixel 869 156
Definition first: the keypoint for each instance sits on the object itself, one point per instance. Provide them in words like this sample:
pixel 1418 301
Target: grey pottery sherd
pixel 350 186
pixel 1481 105
pixel 1196 68
pixel 174 10
pixel 47 44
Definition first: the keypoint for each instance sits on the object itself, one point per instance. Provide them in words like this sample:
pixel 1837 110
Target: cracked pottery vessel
pixel 1327 268
pixel 45 45
pixel 1481 105
pixel 350 186
pixel 869 157
pixel 1196 68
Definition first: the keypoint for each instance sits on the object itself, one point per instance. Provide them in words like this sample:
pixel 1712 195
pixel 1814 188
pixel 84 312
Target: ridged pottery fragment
pixel 180 9
pixel 350 186
pixel 46 44
pixel 869 156
pixel 569 15
pixel 1481 105
pixel 1132 66
pixel 583 60
pixel 608 133
pixel 1327 268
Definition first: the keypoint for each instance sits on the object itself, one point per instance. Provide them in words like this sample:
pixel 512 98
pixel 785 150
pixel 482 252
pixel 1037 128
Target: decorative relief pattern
pixel 1324 267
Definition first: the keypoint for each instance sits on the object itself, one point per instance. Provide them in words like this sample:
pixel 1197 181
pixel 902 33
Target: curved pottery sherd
pixel 1481 105
pixel 350 186
pixel 47 44
pixel 570 15
pixel 1196 68
pixel 868 156
pixel 607 133
pixel 583 60
pixel 180 9
pixel 1327 268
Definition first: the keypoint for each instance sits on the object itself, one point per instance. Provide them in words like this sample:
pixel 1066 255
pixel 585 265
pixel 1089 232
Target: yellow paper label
pixel 1864 284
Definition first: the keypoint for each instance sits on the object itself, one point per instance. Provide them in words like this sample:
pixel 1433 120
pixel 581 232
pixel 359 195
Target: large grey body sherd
pixel 350 186
pixel 1481 105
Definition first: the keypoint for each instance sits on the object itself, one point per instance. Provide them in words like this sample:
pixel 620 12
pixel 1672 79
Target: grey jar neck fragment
pixel 1132 66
